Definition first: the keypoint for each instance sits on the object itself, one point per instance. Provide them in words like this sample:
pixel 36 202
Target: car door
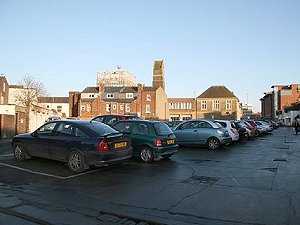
pixel 62 141
pixel 205 130
pixel 187 133
pixel 39 145
pixel 141 134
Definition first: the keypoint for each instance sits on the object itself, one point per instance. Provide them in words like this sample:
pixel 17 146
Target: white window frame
pixel 177 105
pixel 122 107
pixel 82 108
pixel 4 86
pixel 129 95
pixel 114 106
pixel 91 95
pixel 204 105
pixel 110 95
pixel 228 104
pixel 148 108
pixel 189 105
pixel 171 105
pixel 216 104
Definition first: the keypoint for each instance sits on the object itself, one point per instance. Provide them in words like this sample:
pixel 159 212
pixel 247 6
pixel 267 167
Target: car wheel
pixel 167 156
pixel 19 152
pixel 213 143
pixel 147 154
pixel 76 162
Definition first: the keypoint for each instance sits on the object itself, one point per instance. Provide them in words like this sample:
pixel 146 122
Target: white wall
pixel 65 107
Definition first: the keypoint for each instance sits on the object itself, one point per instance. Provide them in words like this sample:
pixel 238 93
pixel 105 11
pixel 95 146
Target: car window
pixel 99 119
pixel 223 124
pixel 112 120
pixel 64 130
pixel 204 124
pixel 186 125
pixel 141 128
pixel 100 128
pixel 162 129
pixel 123 126
pixel 79 133
pixel 46 129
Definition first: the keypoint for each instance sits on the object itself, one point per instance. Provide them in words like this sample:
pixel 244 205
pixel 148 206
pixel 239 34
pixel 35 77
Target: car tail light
pixel 158 142
pixel 102 146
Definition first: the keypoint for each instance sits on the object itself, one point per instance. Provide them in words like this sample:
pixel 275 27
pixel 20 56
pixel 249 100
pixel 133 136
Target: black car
pixel 79 143
pixel 111 119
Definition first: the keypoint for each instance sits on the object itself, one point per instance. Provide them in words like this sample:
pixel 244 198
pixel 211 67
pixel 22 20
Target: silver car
pixel 201 132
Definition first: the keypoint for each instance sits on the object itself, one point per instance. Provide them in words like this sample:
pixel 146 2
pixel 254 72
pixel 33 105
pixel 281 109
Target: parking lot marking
pixel 46 174
pixel 6 155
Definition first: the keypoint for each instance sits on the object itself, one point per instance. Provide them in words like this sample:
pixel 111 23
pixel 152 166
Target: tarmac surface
pixel 250 183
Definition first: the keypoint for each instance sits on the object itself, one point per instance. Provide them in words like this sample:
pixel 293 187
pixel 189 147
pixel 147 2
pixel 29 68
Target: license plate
pixel 170 142
pixel 120 144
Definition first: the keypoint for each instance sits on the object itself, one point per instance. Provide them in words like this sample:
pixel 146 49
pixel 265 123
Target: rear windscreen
pixel 100 128
pixel 162 129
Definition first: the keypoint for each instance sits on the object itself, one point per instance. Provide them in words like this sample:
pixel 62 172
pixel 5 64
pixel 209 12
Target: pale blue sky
pixel 248 46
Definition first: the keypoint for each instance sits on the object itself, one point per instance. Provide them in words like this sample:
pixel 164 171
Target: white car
pixel 230 126
pixel 266 127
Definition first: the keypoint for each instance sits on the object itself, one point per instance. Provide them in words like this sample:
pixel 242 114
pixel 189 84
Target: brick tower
pixel 158 74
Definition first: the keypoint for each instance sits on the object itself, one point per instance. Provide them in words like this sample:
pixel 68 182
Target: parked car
pixel 80 143
pixel 244 132
pixel 111 119
pixel 201 132
pixel 266 125
pixel 252 129
pixel 254 125
pixel 150 139
pixel 231 128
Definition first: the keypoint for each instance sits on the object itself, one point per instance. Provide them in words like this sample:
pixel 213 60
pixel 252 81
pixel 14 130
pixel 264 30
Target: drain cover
pixel 201 180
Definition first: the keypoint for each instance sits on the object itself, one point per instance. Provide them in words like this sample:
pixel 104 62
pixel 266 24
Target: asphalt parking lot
pixel 254 182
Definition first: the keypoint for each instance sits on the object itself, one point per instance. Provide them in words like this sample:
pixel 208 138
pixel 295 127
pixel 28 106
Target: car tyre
pixel 146 154
pixel 19 152
pixel 213 143
pixel 76 162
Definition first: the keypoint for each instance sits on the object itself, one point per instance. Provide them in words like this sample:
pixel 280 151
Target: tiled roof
pixel 217 92
pixel 91 90
pixel 120 89
pixel 53 99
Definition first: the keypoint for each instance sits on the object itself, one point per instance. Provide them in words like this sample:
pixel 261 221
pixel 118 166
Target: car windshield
pixel 100 128
pixel 162 129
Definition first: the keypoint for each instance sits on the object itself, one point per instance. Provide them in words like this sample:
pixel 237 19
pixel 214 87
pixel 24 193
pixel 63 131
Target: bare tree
pixel 27 94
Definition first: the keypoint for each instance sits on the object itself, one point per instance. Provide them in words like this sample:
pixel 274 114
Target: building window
pixel 91 95
pixel 182 105
pixel 203 105
pixel 228 104
pixel 4 86
pixel 171 105
pixel 148 108
pixel 114 106
pixel 216 105
pixel 148 98
pixel 127 109
pixel 110 95
pixel 107 107
pixel 88 108
pixel 189 105
pixel 129 95
pixel 122 107
pixel 48 106
pixel 83 108
pixel 177 105
pixel 2 99
pixel 59 107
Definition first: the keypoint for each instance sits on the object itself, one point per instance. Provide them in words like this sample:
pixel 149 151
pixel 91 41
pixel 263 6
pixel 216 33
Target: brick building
pixel 12 117
pixel 219 103
pixel 280 97
pixel 182 108
pixel 144 101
